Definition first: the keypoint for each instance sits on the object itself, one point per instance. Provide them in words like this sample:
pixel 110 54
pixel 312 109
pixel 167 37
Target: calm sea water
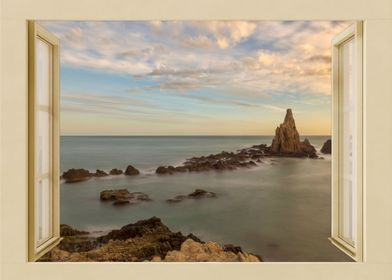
pixel 279 210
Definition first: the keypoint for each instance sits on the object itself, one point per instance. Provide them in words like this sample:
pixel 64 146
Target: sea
pixel 279 210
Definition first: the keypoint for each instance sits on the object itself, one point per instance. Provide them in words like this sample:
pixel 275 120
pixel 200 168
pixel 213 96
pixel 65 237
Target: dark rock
pixel 76 175
pixel 131 171
pixel 123 196
pixel 77 243
pixel 115 194
pixel 327 147
pixel 165 170
pixel 197 194
pixel 66 230
pixel 116 171
pixel 232 248
pixel 100 173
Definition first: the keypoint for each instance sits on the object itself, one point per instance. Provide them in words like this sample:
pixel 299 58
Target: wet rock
pixel 116 171
pixel 165 170
pixel 76 175
pixel 327 147
pixel 131 171
pixel 197 194
pixel 115 194
pixel 100 173
pixel 123 197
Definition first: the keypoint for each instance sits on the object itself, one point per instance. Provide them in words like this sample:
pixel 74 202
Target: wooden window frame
pixel 37 249
pixel 354 32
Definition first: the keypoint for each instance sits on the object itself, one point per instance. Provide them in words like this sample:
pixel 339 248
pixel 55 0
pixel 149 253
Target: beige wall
pixel 377 118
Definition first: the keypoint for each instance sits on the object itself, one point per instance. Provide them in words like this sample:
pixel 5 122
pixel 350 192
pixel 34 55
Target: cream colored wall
pixel 377 118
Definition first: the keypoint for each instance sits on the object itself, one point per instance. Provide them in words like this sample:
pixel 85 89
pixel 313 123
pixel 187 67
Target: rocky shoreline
pixel 145 240
pixel 286 143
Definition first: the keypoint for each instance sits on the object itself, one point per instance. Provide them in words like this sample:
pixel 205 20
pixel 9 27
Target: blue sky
pixel 194 77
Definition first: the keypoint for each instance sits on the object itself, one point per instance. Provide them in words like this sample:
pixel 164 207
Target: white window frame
pixel 354 32
pixel 37 249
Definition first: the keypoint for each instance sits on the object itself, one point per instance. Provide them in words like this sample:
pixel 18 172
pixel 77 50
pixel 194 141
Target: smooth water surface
pixel 279 210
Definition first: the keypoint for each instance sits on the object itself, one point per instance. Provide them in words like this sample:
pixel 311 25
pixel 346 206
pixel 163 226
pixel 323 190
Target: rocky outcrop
pixel 192 251
pixel 131 171
pixel 123 197
pixel 116 171
pixel 327 147
pixel 197 194
pixel 218 162
pixel 287 141
pixel 66 230
pixel 100 173
pixel 144 240
pixel 76 175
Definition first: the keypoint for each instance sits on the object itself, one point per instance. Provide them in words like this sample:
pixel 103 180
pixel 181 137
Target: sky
pixel 194 77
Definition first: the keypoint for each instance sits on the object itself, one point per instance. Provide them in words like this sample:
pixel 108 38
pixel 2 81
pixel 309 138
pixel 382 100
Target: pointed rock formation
pixel 287 142
pixel 327 147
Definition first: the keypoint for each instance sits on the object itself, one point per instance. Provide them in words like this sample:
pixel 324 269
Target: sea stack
pixel 287 142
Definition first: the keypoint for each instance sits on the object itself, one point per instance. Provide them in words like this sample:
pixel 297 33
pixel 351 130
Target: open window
pixel 44 229
pixel 347 203
pixel 43 141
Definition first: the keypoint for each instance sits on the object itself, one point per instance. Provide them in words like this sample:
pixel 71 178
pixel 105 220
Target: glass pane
pixel 43 140
pixel 348 144
pixel 43 210
pixel 43 76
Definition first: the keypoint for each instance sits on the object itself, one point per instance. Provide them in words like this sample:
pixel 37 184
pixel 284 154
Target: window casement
pixel 347 189
pixel 43 92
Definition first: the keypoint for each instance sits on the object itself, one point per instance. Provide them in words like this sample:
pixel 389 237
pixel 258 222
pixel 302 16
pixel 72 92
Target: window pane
pixel 43 76
pixel 43 210
pixel 348 144
pixel 43 146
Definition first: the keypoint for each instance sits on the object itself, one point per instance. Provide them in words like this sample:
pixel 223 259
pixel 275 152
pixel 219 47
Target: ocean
pixel 280 210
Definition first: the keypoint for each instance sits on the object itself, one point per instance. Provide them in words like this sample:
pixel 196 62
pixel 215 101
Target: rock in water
pixel 287 142
pixel 286 138
pixel 116 171
pixel 123 197
pixel 76 175
pixel 327 147
pixel 131 171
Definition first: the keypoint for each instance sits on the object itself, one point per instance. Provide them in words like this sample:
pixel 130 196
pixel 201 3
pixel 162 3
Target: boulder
pixel 116 171
pixel 76 175
pixel 193 251
pixel 131 171
pixel 327 147
pixel 123 197
pixel 100 173
pixel 165 170
pixel 115 194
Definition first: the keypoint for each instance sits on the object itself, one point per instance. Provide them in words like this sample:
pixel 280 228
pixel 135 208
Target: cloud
pixel 241 58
